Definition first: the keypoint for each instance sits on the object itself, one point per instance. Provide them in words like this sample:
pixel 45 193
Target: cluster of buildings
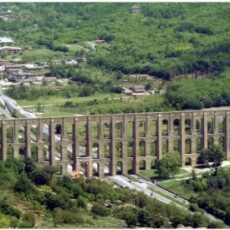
pixel 25 74
pixel 6 15
pixel 139 90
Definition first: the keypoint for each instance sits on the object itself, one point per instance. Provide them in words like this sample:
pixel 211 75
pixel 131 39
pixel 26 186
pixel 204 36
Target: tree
pixel 204 156
pixel 216 154
pixel 169 165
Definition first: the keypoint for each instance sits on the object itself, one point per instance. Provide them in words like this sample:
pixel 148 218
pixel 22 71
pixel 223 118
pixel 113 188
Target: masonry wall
pixel 114 144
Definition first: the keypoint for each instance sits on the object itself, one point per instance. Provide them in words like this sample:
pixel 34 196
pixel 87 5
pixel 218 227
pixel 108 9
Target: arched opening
pixel 118 128
pixel 199 145
pixel 10 152
pixel 165 127
pixel 198 125
pixel 221 142
pixel 130 166
pixel 221 125
pixel 141 128
pixel 188 125
pixel 142 148
pixel 176 144
pixel 21 134
pixel 95 151
pixel 119 150
pixel 142 165
pixel 84 169
pixel 22 151
pixel 153 128
pixel 130 129
pixel 210 125
pixel 46 155
pixel 188 161
pixel 10 134
pixel 107 167
pixel 164 146
pixel 130 149
pixel 106 130
pixel 58 129
pixel 153 148
pixel 176 126
pixel 107 150
pixel 94 129
pixel 96 168
pixel 58 151
pixel 153 164
pixel 210 142
pixel 34 153
pixel 188 147
pixel 82 130
pixel 34 133
pixel 119 168
pixel 45 132
pixel 59 169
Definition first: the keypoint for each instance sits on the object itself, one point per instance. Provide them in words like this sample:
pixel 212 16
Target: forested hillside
pixel 163 40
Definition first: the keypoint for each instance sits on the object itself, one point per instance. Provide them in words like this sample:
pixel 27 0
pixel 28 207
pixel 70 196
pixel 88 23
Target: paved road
pixel 141 187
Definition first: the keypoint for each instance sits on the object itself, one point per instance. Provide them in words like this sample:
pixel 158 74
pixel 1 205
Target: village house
pixel 137 88
pixel 135 9
pixel 10 50
pixel 20 76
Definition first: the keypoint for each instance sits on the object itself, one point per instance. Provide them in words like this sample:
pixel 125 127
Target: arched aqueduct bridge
pixel 115 144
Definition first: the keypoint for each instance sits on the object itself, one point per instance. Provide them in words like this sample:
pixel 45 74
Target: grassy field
pixel 176 187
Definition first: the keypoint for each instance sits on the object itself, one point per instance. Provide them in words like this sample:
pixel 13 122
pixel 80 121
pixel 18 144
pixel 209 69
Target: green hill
pixel 163 40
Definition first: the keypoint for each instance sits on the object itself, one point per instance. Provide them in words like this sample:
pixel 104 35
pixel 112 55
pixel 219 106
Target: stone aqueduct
pixel 114 144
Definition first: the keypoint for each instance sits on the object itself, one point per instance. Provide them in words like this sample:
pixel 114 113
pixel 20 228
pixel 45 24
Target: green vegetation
pixel 171 41
pixel 34 196
pixel 169 165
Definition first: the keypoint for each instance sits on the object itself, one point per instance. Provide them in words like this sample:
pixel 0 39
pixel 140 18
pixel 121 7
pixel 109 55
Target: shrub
pixel 27 221
pixel 100 210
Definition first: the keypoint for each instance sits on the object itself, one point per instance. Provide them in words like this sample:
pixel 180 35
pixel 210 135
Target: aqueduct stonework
pixel 114 144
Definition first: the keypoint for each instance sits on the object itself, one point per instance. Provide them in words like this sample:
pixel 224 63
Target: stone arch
pixel 95 151
pixel 188 146
pixel 34 153
pixel 188 161
pixel 210 142
pixel 164 127
pixel 176 126
pixel 199 144
pixel 142 148
pixel 119 166
pixel 46 154
pixel 188 125
pixel 142 165
pixel 221 124
pixel 94 129
pixel 119 149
